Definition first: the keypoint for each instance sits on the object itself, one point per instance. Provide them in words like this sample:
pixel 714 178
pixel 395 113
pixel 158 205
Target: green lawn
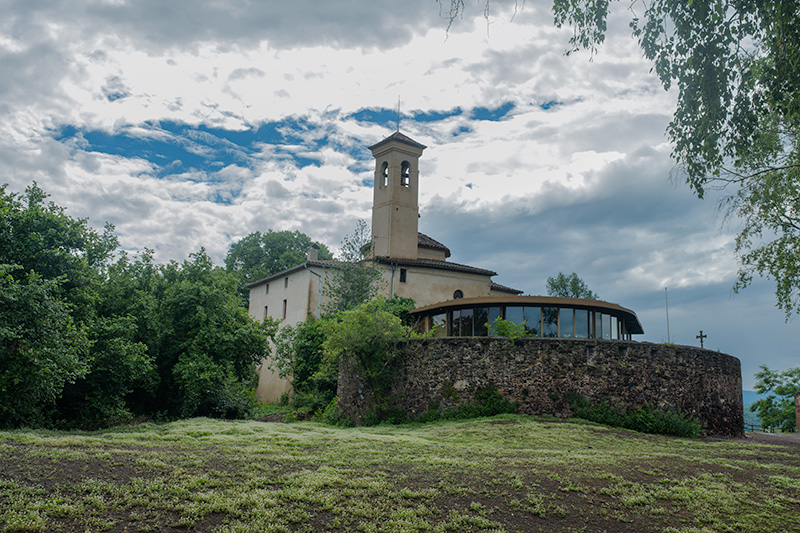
pixel 508 473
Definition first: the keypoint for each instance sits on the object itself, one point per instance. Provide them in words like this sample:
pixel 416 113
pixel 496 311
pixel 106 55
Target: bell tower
pixel 395 201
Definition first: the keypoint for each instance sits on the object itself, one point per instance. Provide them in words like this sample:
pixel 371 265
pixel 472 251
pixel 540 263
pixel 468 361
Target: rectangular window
pixel 466 322
pixel 480 322
pixel 607 326
pixel 566 322
pixel 549 321
pixel 439 325
pixel 284 309
pixel 285 282
pixel 598 326
pixel 494 314
pixel 266 291
pixel 266 311
pixel 402 275
pixel 582 323
pixel 533 321
pixel 614 328
pixel 455 324
pixel 514 314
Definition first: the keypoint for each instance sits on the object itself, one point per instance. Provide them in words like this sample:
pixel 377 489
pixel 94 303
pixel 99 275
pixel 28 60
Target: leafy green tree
pixel 207 346
pixel 259 255
pixel 40 237
pixel 368 337
pixel 119 364
pixel 570 286
pixel 778 409
pixel 41 348
pixel 736 67
pixel 299 356
pixel 356 279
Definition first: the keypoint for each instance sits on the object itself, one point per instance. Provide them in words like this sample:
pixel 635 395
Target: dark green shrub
pixel 645 419
pixel 487 401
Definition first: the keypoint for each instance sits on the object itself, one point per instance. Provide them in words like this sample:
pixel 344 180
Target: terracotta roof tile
pixel 442 265
pixel 399 137
pixel 503 288
pixel 423 241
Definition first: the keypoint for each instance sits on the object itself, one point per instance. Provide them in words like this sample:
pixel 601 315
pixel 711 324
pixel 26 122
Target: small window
pixel 285 283
pixel 284 309
pixel 266 312
pixel 384 174
pixel 402 275
pixel 405 174
pixel 458 294
pixel 267 289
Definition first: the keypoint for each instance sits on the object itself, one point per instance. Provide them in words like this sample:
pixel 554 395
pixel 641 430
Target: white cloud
pixel 574 178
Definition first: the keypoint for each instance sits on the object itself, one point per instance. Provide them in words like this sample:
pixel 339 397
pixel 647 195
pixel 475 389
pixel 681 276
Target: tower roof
pixel 399 137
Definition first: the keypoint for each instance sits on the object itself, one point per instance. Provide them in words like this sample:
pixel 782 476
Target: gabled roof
pixel 324 263
pixel 503 288
pixel 423 241
pixel 399 137
pixel 441 265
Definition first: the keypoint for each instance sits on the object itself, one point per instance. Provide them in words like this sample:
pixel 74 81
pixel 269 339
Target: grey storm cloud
pixel 154 24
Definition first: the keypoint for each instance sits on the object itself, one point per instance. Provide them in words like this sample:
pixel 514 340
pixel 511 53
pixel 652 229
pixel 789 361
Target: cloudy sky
pixel 192 123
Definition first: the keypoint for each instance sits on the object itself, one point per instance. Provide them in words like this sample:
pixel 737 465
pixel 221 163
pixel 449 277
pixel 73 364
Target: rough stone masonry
pixel 539 372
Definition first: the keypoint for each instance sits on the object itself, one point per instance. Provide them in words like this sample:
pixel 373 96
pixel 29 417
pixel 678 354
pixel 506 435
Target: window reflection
pixel 607 326
pixel 514 314
pixel 533 320
pixel 494 314
pixel 549 321
pixel 480 322
pixel 439 325
pixel 598 326
pixel 582 323
pixel 466 322
pixel 455 324
pixel 566 317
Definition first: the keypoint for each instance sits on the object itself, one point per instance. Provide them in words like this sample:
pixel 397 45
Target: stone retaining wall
pixel 538 373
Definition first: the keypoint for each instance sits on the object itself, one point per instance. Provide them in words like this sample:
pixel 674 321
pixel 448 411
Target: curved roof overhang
pixel 631 320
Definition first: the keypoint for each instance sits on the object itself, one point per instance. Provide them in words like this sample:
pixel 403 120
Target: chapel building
pixel 452 299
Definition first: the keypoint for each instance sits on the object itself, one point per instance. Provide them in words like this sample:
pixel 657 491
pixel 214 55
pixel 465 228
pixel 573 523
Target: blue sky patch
pixel 435 116
pixel 494 115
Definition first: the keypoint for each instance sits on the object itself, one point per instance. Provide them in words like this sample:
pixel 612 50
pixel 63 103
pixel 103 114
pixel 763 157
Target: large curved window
pixel 548 321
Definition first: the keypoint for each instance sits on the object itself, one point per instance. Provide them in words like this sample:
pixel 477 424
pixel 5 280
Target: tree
pixel 736 66
pixel 355 280
pixel 569 287
pixel 368 336
pixel 259 255
pixel 777 409
pixel 41 348
pixel 207 346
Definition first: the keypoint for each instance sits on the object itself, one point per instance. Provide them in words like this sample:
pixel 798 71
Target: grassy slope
pixel 509 473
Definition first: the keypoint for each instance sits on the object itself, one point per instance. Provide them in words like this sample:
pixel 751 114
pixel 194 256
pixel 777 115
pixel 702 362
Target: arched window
pixel 405 174
pixel 458 294
pixel 384 174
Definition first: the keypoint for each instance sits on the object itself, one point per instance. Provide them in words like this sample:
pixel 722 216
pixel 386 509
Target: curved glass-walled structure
pixel 542 316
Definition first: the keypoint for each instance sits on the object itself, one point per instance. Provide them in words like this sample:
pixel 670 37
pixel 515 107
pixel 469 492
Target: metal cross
pixel 701 337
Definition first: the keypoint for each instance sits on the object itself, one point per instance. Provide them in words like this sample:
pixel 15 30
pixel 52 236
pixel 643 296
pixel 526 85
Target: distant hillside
pixel 749 397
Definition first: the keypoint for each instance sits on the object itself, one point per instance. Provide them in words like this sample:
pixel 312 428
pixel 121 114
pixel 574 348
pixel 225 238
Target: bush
pixel 506 328
pixel 487 401
pixel 645 419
